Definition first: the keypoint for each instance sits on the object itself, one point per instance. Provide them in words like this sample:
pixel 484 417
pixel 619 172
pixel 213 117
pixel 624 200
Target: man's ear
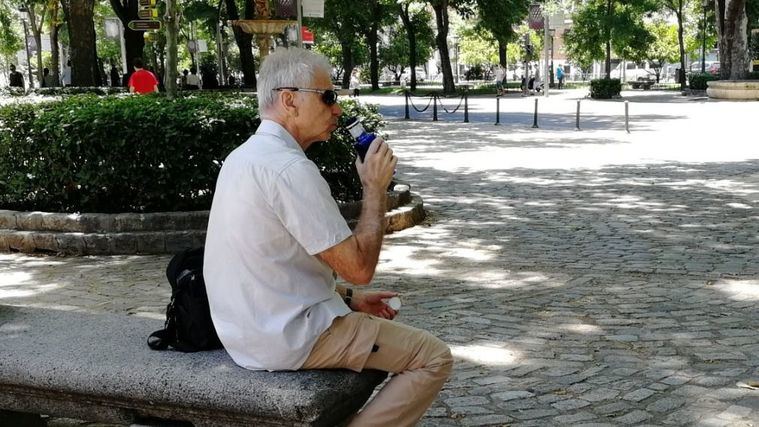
pixel 287 100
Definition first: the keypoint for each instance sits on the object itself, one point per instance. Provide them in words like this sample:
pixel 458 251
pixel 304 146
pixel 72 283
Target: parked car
pixel 712 67
pixel 420 75
pixel 632 71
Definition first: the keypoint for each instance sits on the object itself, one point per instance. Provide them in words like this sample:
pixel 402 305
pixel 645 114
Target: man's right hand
pixel 376 171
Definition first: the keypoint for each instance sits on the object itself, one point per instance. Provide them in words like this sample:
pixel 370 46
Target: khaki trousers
pixel 419 363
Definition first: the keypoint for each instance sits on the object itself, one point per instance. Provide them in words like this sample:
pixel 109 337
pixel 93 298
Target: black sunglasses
pixel 329 96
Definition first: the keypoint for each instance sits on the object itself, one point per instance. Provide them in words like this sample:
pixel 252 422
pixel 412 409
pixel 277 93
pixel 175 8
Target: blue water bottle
pixel 362 138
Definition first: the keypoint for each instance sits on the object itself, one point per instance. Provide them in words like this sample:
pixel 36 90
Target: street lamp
pixel 703 38
pixel 23 11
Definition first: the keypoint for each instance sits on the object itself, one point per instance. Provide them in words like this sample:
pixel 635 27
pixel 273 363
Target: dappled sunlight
pixel 406 259
pixel 580 328
pixel 19 284
pixel 486 354
pixel 740 290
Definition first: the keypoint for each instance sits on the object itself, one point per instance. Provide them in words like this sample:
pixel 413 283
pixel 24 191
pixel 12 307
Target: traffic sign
pixel 147 13
pixel 144 25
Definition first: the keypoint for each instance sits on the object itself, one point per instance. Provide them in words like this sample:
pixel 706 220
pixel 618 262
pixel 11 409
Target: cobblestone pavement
pixel 581 278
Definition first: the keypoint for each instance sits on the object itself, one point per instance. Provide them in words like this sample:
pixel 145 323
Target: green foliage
pixel 605 88
pixel 395 53
pixel 697 81
pixel 594 26
pixel 138 153
pixel 76 90
pixel 10 41
pixel 478 48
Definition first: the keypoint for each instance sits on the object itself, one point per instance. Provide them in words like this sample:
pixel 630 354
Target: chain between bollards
pixel 627 116
pixel 577 121
pixel 407 112
pixel 535 119
pixel 497 110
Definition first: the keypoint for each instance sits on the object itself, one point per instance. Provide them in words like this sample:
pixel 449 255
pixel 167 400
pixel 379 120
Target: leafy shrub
pixel 75 90
pixel 697 81
pixel 754 75
pixel 605 88
pixel 138 153
pixel 12 91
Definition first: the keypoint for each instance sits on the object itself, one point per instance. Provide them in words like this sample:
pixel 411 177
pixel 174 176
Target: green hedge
pixel 697 81
pixel 605 88
pixel 139 153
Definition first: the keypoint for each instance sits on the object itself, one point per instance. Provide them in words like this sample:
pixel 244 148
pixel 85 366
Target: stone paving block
pixel 510 395
pixel 487 420
pixel 574 418
pixel 467 401
pixel 665 405
pixel 570 404
pixel 599 394
pixel 96 243
pixel 611 408
pixel 470 410
pixel 531 414
pixel 633 417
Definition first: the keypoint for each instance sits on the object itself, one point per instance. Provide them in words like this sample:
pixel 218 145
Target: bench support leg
pixel 21 419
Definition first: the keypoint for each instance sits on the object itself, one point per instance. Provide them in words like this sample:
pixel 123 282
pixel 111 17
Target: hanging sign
pixel 313 8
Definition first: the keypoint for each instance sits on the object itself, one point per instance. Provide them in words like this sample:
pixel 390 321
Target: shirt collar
pixel 269 127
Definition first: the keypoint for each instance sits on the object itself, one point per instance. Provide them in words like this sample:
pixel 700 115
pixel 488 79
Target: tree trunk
pixel 244 43
pixel 733 39
pixel 134 41
pixel 55 53
pixel 411 36
pixel 681 42
pixel 371 40
pixel 81 28
pixel 441 40
pixel 502 59
pixel 35 22
pixel 170 77
pixel 345 46
pixel 608 38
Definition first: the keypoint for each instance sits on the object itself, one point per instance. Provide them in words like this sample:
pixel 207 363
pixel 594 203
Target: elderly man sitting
pixel 275 236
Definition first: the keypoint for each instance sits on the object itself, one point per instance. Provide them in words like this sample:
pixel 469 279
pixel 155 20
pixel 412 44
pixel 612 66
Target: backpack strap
pixel 163 338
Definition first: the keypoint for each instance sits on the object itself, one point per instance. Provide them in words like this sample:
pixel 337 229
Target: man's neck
pixel 289 127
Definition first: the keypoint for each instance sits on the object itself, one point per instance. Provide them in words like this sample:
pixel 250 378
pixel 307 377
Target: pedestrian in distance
pixel 47 79
pixel 115 76
pixel 15 78
pixel 192 82
pixel 66 74
pixel 500 73
pixel 355 83
pixel 142 81
pixel 275 236
pixel 560 76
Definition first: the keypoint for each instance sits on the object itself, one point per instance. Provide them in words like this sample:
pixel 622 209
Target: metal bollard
pixel 434 108
pixel 627 116
pixel 577 121
pixel 497 111
pixel 407 112
pixel 535 119
pixel 466 107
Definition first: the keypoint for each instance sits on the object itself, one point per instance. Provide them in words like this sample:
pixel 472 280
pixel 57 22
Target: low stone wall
pixel 746 90
pixel 151 233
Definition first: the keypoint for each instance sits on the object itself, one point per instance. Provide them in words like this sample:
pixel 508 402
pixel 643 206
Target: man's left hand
pixel 371 302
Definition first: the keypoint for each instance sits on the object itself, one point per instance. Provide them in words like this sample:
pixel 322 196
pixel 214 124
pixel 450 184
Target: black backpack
pixel 188 325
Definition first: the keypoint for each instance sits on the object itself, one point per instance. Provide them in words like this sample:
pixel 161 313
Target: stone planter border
pixel 151 233
pixel 746 90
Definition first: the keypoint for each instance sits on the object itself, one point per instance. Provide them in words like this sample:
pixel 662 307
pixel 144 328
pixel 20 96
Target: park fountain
pixel 263 27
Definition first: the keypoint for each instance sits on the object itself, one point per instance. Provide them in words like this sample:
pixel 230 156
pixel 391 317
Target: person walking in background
pixel 192 81
pixel 500 73
pixel 142 81
pixel 183 79
pixel 355 83
pixel 115 76
pixel 66 74
pixel 15 78
pixel 560 76
pixel 47 79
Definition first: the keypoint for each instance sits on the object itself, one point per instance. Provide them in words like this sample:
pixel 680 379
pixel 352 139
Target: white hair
pixel 288 67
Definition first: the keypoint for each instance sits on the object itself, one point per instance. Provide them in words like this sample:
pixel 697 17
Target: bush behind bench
pixel 87 153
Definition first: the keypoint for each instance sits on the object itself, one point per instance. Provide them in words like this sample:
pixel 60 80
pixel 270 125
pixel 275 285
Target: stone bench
pixel 98 368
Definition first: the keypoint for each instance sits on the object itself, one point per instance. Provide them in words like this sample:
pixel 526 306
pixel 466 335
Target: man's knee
pixel 442 359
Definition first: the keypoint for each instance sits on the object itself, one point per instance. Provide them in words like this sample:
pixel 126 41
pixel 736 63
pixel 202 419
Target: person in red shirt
pixel 142 81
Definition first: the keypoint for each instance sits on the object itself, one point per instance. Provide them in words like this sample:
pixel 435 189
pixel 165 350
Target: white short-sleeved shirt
pixel 270 296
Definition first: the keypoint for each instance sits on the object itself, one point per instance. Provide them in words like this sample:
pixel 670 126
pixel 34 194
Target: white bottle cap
pixel 394 303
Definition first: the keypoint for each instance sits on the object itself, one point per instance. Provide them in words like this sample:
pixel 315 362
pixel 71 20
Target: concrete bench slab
pixel 98 368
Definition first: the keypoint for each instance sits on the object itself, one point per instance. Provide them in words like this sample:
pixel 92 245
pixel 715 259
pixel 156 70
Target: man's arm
pixel 355 258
